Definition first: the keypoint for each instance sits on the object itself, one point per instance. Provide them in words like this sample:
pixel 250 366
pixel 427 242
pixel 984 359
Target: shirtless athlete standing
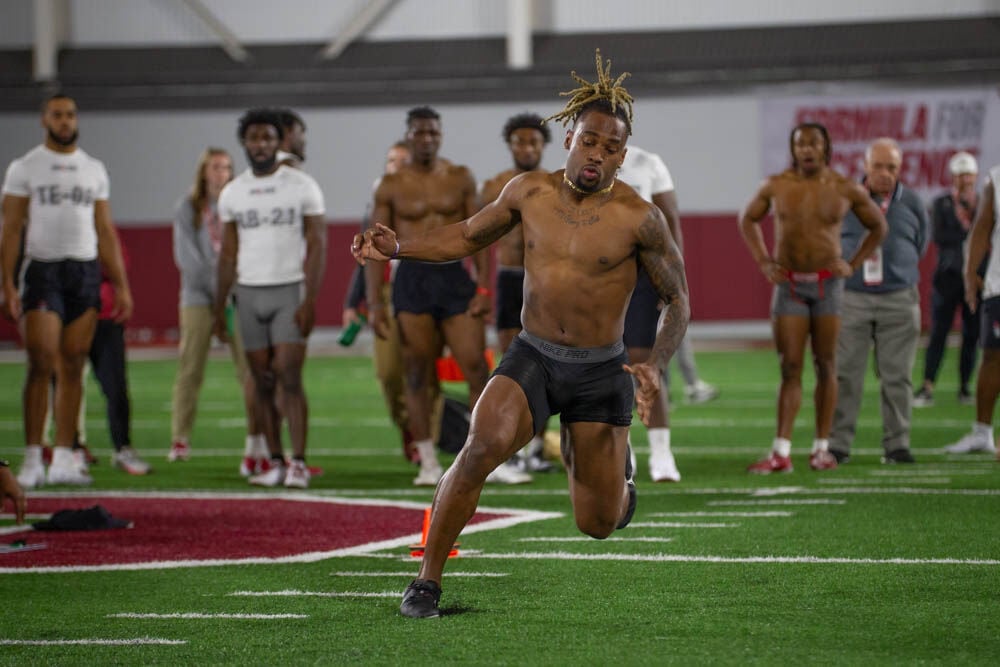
pixel 807 270
pixel 429 299
pixel 584 234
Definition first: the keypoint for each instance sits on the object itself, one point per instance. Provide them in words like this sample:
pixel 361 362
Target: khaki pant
pixel 388 359
pixel 889 323
pixel 196 336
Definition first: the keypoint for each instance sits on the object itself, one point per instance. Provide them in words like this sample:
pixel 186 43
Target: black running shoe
pixel 902 455
pixel 630 485
pixel 421 599
pixel 842 457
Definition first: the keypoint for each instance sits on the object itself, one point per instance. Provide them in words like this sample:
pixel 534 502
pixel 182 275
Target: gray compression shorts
pixel 808 295
pixel 267 314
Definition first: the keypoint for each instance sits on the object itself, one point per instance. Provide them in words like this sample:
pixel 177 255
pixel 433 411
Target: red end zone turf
pixel 198 529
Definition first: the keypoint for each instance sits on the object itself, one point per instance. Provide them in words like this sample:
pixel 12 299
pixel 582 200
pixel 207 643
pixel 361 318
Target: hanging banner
pixel 929 125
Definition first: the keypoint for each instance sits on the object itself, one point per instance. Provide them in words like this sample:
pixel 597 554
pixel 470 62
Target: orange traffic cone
pixel 417 550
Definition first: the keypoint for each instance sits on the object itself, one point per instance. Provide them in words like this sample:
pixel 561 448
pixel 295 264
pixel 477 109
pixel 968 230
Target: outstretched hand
pixel 648 392
pixel 378 243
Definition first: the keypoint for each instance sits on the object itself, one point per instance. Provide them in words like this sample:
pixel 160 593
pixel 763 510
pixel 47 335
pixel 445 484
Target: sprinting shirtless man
pixel 584 234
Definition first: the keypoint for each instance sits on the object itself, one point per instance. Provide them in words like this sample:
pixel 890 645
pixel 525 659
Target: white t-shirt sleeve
pixel 312 199
pixel 16 181
pixel 662 182
pixel 225 205
pixel 103 192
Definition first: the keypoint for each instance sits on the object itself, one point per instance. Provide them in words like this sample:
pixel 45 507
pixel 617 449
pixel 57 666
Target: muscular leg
pixel 970 344
pixel 418 334
pixel 264 400
pixel 988 385
pixel 73 350
pixel 505 337
pixel 501 423
pixel 466 338
pixel 42 331
pixel 790 332
pixel 288 361
pixel 594 454
pixel 824 348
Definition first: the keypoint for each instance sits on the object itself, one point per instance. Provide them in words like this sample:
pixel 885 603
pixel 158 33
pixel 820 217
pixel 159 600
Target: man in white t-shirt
pixel 274 249
pixel 649 176
pixel 984 234
pixel 64 193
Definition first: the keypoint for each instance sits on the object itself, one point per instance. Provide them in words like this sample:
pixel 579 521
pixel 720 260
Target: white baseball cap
pixel 962 163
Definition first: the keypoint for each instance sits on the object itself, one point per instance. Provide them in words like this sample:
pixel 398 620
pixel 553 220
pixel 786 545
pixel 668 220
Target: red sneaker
pixel 248 466
pixel 773 463
pixel 409 451
pixel 822 460
pixel 179 451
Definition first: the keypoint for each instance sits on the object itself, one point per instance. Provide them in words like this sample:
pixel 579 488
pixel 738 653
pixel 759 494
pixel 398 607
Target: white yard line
pixel 749 515
pixel 804 501
pixel 681 558
pixel 889 480
pixel 199 616
pixel 668 524
pixel 315 594
pixel 583 538
pixel 410 573
pixel 144 641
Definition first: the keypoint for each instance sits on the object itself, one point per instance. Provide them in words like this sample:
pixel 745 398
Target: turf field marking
pixel 515 516
pixel 198 616
pixel 804 501
pixel 890 480
pixel 10 530
pixel 582 538
pixel 680 558
pixel 409 573
pixel 749 515
pixel 144 641
pixel 931 472
pixel 668 524
pixel 314 594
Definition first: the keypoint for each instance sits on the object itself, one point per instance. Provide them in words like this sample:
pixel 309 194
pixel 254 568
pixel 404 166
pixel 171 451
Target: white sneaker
pixel 273 477
pixel 508 473
pixel 973 442
pixel 69 474
pixel 127 460
pixel 701 392
pixel 31 475
pixel 297 475
pixel 663 468
pixel 428 476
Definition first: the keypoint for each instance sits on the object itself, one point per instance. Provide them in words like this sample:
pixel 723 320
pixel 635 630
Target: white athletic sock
pixel 782 447
pixel 534 447
pixel 428 457
pixel 62 457
pixel 260 447
pixel 250 446
pixel 659 441
pixel 33 455
pixel 821 445
pixel 980 428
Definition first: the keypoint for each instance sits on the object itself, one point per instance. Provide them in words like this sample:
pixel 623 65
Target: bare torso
pixel 420 199
pixel 579 259
pixel 510 248
pixel 807 217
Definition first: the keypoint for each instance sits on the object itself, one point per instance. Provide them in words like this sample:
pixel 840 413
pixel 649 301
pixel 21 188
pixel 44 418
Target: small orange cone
pixel 417 550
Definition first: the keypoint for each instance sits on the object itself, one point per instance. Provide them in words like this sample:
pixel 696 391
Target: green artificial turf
pixel 901 567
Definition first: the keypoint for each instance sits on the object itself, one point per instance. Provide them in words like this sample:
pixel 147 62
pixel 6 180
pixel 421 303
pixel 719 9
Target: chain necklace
pixel 575 188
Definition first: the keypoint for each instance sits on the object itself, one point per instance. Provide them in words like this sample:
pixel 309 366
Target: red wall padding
pixel 722 278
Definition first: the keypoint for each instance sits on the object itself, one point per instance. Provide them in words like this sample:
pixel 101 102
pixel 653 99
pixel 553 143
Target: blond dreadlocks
pixel 603 93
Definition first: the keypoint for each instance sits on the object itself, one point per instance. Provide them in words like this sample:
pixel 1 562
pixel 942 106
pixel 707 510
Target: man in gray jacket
pixel 881 307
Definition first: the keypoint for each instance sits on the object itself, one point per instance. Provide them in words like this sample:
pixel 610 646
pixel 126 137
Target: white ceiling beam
pixel 231 44
pixel 357 26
